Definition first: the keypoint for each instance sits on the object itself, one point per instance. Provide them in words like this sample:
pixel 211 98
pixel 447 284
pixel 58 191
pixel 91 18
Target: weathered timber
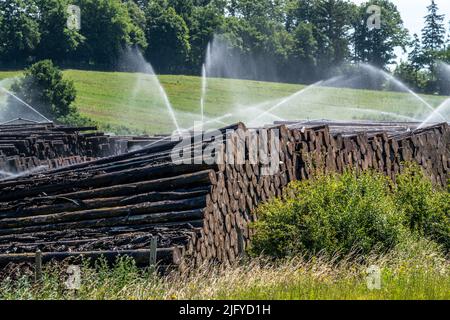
pixel 49 205
pixel 111 212
pixel 196 179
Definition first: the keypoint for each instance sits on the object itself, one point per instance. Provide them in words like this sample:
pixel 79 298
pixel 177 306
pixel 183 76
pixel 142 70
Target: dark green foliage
pixel 44 88
pixel 205 22
pixel 300 41
pixel 377 46
pixel 165 31
pixel 352 213
pixel 433 34
pixel 108 29
pixel 416 54
pixel 330 214
pixel 77 120
pixel 427 210
pixel 330 23
pixel 19 30
pixel 305 45
pixel 433 40
pixel 137 16
pixel 57 41
pixel 415 79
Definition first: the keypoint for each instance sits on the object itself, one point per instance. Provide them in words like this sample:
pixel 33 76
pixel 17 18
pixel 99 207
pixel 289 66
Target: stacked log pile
pixel 335 147
pixel 119 203
pixel 26 147
pixel 199 212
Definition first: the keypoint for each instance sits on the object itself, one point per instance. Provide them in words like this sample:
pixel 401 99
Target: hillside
pixel 133 100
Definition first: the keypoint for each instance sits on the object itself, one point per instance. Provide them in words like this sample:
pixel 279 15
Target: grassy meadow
pixel 133 100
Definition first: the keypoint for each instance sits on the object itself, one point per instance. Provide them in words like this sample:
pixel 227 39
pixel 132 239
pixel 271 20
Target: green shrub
pixel 330 214
pixel 78 120
pixel 121 130
pixel 43 86
pixel 353 213
pixel 427 209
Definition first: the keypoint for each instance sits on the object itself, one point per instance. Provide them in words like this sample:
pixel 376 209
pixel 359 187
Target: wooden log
pixel 100 232
pixel 121 177
pixel 50 205
pixel 196 179
pixel 106 213
pixel 152 149
pixel 142 219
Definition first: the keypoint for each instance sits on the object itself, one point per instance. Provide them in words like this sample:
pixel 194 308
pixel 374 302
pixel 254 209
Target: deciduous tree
pixel 377 46
pixel 19 31
pixel 168 38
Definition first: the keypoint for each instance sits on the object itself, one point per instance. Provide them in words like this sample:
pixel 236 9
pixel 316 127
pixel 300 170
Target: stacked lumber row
pixel 347 128
pixel 332 147
pixel 47 141
pixel 138 142
pixel 43 141
pixel 237 191
pixel 109 219
pixel 99 218
pixel 119 203
pixel 385 148
pixel 25 147
pixel 200 213
pixel 14 167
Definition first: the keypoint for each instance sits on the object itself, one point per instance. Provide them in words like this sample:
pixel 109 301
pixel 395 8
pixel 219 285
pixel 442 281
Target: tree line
pixel 306 40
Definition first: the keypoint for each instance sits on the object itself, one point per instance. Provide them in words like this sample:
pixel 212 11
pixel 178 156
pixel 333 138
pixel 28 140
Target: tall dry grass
pixel 414 270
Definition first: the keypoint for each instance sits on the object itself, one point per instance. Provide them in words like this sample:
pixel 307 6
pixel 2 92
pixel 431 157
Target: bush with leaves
pixel 330 214
pixel 44 88
pixel 352 213
pixel 427 209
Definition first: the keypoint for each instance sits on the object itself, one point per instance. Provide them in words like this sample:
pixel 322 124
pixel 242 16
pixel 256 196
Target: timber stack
pixel 381 146
pixel 36 146
pixel 199 211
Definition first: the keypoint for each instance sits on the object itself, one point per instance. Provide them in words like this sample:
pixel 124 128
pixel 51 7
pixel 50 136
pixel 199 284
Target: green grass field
pixel 133 100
